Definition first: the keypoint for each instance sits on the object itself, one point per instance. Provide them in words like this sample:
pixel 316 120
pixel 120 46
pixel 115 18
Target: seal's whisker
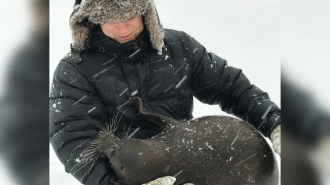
pixel 122 135
pixel 114 123
pixel 105 134
pixel 85 158
pixel 88 150
pixel 110 150
pixel 121 117
pixel 90 155
pixel 93 150
pixel 90 168
pixel 115 144
pixel 81 167
pixel 115 120
pixel 128 131
pixel 115 117
pixel 82 161
pixel 79 163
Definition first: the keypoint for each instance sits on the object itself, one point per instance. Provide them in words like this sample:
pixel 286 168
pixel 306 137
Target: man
pixel 120 50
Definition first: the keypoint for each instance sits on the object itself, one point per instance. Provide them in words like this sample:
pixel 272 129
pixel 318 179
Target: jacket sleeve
pixel 214 82
pixel 76 117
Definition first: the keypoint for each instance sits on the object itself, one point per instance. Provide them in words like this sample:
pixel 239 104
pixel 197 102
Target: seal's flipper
pixel 168 180
pixel 158 120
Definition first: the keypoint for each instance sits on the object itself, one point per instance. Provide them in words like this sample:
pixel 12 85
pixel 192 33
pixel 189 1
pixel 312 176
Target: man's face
pixel 124 31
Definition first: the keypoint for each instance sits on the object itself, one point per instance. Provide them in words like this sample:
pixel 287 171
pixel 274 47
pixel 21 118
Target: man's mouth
pixel 125 36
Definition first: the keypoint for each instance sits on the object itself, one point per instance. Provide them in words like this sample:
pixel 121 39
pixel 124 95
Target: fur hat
pixel 88 13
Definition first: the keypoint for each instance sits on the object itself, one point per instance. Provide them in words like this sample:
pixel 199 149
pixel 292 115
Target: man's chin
pixel 123 41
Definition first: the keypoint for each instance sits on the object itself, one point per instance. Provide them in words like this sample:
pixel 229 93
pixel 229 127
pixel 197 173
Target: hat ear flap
pixel 81 28
pixel 154 27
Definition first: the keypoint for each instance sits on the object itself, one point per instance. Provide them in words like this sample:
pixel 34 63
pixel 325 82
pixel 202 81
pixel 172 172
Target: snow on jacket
pixel 91 87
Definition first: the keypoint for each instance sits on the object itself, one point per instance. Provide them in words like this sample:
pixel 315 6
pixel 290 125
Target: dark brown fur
pixel 211 150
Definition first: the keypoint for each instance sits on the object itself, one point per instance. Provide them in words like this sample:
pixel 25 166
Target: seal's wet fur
pixel 209 150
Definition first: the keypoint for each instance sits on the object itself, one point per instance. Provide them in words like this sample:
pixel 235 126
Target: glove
pixel 168 180
pixel 275 137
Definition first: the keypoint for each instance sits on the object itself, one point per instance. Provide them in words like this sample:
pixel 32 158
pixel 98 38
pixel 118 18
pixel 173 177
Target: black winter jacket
pixel 91 87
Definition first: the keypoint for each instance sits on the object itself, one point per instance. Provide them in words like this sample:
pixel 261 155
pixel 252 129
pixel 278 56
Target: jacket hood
pixel 88 13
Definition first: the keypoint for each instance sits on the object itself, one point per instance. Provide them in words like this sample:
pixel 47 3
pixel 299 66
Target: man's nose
pixel 122 26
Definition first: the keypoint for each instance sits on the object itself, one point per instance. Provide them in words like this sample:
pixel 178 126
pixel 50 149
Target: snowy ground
pixel 245 33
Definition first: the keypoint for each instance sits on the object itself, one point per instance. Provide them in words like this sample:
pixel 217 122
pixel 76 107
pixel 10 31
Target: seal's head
pixel 88 13
pixel 138 161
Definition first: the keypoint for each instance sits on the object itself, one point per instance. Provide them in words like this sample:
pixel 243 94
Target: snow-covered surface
pixel 245 33
pixel 57 174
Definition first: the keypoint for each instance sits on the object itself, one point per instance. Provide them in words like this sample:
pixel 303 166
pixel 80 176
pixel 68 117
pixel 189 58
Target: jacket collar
pixel 133 49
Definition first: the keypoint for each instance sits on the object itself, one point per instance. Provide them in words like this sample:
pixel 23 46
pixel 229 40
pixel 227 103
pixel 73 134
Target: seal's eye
pixel 122 168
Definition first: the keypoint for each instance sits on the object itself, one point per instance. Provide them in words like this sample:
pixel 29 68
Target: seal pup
pixel 210 150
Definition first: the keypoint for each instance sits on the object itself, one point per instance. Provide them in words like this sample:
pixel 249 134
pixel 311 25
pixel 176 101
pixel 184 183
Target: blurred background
pixel 24 92
pixel 274 42
pixel 305 46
